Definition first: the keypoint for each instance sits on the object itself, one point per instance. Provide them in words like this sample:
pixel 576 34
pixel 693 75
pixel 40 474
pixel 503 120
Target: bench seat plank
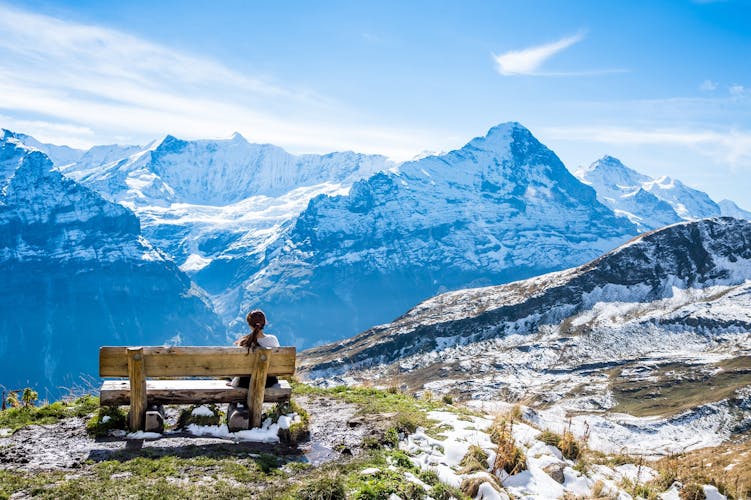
pixel 117 392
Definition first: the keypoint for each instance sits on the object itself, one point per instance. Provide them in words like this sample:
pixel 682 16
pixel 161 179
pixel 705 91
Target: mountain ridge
pixel 77 275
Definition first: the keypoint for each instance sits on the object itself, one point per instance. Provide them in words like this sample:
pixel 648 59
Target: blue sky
pixel 664 86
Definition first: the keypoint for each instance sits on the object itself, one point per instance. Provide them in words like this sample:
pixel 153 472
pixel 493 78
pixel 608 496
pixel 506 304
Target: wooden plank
pixel 192 361
pixel 138 393
pixel 258 386
pixel 117 392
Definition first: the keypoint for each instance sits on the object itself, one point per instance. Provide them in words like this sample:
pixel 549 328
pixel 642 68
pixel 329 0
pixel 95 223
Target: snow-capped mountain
pixel 650 203
pixel 77 274
pixel 730 209
pixel 215 172
pixel 638 330
pixel 215 205
pixel 60 155
pixel 501 208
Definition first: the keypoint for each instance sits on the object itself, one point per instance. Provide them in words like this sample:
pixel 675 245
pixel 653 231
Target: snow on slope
pixel 670 312
pixel 650 203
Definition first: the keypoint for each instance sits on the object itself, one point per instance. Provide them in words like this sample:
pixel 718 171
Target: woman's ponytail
pixel 256 320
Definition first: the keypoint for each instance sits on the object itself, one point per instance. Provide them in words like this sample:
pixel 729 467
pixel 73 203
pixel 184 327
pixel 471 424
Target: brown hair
pixel 256 320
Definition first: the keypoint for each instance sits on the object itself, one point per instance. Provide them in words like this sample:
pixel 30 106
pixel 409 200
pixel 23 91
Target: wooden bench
pixel 140 363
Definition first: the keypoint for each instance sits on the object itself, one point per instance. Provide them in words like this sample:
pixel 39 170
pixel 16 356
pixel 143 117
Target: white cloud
pixel 708 86
pixel 528 61
pixel 85 77
pixel 738 90
pixel 731 147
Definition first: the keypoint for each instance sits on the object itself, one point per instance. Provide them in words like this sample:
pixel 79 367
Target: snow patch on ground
pixel 202 411
pixel 458 433
pixel 267 433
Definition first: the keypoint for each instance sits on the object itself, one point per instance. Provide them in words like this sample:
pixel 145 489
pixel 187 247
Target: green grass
pixel 144 477
pixel 411 412
pixel 99 426
pixel 17 418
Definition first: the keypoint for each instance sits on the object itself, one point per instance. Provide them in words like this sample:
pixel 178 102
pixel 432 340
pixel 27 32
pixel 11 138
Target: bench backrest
pixel 189 361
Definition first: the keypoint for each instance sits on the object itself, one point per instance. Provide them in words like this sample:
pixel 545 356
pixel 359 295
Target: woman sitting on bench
pixel 256 338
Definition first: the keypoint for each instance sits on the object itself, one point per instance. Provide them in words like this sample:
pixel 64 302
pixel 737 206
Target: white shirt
pixel 268 341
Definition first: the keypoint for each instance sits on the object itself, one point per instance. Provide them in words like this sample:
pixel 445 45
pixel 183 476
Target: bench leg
pixel 137 377
pixel 258 386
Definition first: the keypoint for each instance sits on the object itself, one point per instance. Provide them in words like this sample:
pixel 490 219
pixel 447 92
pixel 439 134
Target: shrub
pixel 515 413
pixel 448 399
pixel 106 418
pixel 386 484
pixel 471 485
pixel 599 489
pixel 550 438
pixel 408 422
pixel 402 460
pixel 429 477
pixel 444 492
pixel 29 397
pixel 391 437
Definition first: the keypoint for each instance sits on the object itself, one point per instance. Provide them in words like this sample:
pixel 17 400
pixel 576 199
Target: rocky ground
pixel 335 432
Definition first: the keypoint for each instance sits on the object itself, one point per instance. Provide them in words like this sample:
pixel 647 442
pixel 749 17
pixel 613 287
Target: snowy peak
pixel 38 194
pixel 76 273
pixel 611 172
pixel 217 172
pixel 502 207
pixel 501 136
pixel 730 209
pixel 60 155
pixel 649 203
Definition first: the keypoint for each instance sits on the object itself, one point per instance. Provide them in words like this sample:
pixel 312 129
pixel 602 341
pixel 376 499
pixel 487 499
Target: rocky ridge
pixel 633 331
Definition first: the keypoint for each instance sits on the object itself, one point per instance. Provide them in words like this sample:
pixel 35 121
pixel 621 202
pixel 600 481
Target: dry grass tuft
pixel 474 460
pixel 508 456
pixel 570 447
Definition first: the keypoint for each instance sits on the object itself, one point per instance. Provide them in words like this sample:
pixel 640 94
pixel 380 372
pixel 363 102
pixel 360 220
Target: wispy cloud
pixel 57 75
pixel 731 147
pixel 530 60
